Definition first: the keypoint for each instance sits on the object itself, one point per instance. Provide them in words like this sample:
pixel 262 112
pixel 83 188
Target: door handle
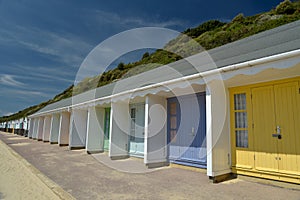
pixel 278 130
pixel 193 131
pixel 277 135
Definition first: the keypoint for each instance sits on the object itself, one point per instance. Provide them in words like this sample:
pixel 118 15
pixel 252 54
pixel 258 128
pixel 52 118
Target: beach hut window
pixel 241 121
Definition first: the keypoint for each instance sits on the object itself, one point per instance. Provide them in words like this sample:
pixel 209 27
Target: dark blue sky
pixel 43 43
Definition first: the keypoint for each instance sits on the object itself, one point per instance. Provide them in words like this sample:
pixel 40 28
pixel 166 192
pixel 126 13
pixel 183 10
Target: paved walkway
pixel 87 177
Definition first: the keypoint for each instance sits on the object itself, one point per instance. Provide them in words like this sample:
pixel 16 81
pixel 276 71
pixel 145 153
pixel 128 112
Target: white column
pixel 54 130
pixel 78 129
pixel 95 130
pixel 35 128
pixel 119 130
pixel 40 129
pixel 64 128
pixel 218 131
pixel 155 131
pixel 46 129
pixel 31 124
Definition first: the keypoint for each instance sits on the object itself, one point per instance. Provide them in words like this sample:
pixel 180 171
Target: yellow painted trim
pixel 266 175
pixel 244 87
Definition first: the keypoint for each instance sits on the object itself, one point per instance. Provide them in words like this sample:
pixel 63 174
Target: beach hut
pixel 232 109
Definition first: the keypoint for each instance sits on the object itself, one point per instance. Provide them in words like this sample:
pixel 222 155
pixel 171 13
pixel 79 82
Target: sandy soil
pixel 18 181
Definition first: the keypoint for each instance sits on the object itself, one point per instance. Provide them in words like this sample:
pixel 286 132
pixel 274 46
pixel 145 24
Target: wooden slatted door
pixel 137 125
pixel 265 145
pixel 187 130
pixel 276 128
pixel 287 118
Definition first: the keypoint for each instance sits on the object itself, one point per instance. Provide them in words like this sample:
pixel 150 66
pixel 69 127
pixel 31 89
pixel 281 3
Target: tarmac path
pixel 95 177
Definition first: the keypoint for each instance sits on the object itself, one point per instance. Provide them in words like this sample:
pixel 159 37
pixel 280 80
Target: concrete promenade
pixel 96 177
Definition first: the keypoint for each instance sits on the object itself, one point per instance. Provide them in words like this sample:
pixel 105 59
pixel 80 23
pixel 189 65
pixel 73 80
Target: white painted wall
pixel 64 128
pixel 46 129
pixel 119 129
pixel 218 129
pixel 78 129
pixel 54 129
pixel 35 126
pixel 31 126
pixel 41 128
pixel 95 130
pixel 155 129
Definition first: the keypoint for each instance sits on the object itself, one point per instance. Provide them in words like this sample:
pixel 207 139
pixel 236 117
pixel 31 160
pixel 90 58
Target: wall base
pixel 221 178
pixel 94 151
pixel 157 165
pixel 63 145
pixel 119 157
pixel 76 148
pixel 53 142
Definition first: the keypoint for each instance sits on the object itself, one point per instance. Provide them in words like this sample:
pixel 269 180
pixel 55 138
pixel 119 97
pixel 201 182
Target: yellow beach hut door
pixel 276 120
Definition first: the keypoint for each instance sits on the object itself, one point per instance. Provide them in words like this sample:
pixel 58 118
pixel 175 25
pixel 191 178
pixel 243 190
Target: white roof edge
pixel 233 67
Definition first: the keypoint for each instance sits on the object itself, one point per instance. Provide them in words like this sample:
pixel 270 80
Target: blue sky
pixel 43 43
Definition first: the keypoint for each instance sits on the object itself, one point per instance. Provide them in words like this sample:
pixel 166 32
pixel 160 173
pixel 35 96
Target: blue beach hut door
pixel 137 124
pixel 187 130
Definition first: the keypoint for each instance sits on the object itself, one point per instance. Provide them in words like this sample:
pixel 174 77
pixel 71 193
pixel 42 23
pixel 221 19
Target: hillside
pixel 209 35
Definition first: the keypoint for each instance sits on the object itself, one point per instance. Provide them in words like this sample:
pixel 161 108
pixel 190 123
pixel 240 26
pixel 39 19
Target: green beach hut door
pixel 137 122
pixel 106 128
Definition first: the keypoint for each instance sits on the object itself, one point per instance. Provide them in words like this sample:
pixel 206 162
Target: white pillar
pixel 40 129
pixel 78 129
pixel 46 129
pixel 64 128
pixel 119 130
pixel 54 130
pixel 95 130
pixel 218 131
pixel 35 128
pixel 155 131
pixel 31 124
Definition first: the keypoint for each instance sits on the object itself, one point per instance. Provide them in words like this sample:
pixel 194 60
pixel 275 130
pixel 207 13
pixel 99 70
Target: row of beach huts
pixel 234 109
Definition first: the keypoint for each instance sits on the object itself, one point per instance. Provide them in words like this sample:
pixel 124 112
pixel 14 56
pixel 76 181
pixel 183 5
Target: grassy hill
pixel 209 35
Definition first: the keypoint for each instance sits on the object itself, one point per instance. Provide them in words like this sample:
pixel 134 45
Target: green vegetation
pixel 209 35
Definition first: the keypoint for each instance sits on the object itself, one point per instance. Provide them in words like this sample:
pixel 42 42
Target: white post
pixel 155 131
pixel 64 128
pixel 95 130
pixel 31 124
pixel 40 129
pixel 78 128
pixel 119 130
pixel 54 130
pixel 218 131
pixel 35 128
pixel 46 129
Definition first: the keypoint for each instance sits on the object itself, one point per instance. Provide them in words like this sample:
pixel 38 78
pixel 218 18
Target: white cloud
pixel 31 93
pixel 66 48
pixel 38 48
pixel 104 17
pixel 42 72
pixel 9 80
pixel 25 93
